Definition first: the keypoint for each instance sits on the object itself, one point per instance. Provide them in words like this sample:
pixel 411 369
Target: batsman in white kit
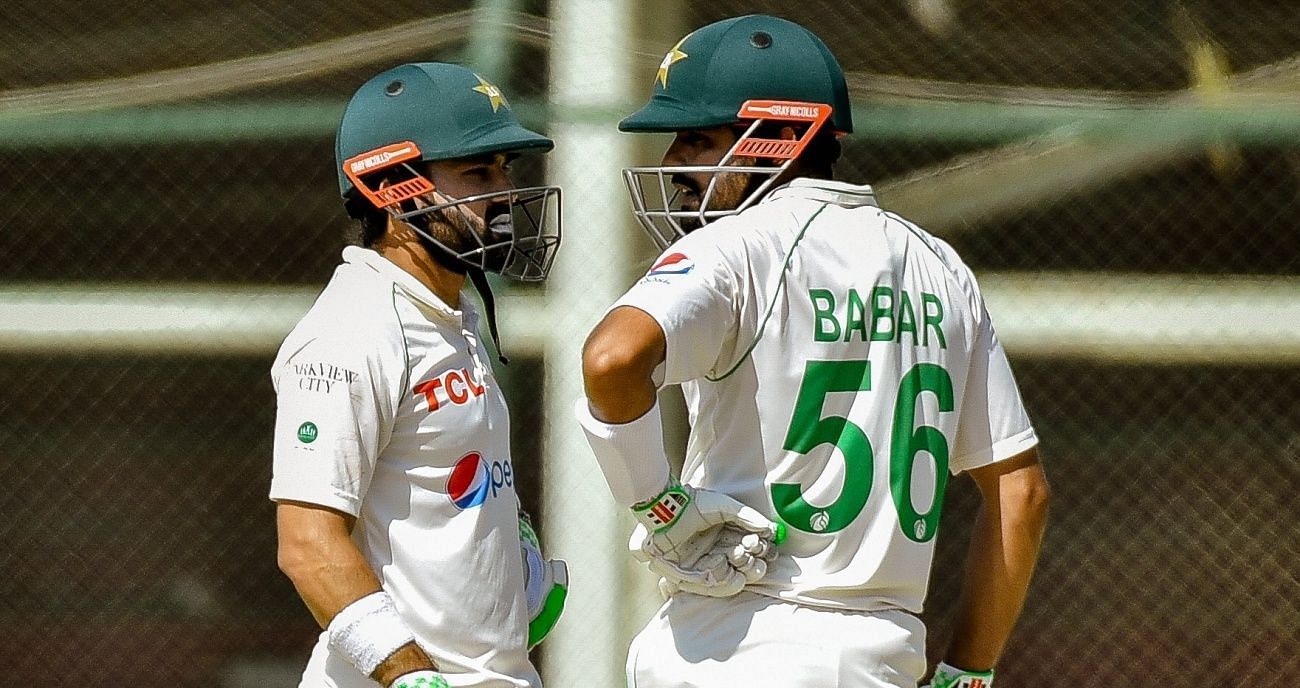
pixel 397 516
pixel 838 364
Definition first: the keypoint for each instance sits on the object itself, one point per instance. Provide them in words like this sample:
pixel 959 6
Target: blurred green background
pixel 1123 177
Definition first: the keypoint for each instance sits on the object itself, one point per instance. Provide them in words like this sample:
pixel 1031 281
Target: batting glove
pixel 421 679
pixel 546 583
pixel 949 676
pixel 678 529
pixel 733 550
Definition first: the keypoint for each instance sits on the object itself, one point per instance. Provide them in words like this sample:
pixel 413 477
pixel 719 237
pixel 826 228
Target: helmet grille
pixel 768 148
pixel 402 191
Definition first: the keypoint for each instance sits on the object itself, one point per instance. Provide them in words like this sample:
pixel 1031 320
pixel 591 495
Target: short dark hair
pixel 822 152
pixel 371 221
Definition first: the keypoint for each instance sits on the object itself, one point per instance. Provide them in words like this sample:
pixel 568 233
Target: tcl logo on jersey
pixel 474 479
pixel 673 264
pixel 455 386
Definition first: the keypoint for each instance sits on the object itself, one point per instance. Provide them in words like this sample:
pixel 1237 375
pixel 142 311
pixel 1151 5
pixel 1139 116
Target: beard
pixel 730 189
pixel 458 238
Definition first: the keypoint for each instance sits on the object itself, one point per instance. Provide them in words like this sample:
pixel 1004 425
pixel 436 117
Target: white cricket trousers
pixel 753 640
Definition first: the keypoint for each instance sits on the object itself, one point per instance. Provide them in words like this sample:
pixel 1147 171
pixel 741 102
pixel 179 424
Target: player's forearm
pixel 316 552
pixel 618 397
pixel 408 658
pixel 1000 563
pixel 329 573
pixel 328 578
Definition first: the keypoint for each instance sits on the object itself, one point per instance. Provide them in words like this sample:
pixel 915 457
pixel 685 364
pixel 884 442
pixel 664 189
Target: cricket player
pixel 397 516
pixel 838 364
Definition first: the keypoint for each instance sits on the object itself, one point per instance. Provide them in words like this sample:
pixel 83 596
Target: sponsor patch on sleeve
pixel 321 376
pixel 673 264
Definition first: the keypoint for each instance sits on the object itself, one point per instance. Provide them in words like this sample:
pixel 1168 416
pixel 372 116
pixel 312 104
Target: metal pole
pixel 490 44
pixel 590 80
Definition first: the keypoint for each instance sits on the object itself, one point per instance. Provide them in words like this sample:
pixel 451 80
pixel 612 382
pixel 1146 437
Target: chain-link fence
pixel 1124 178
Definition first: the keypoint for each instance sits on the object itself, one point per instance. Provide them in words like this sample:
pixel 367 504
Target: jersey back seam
pixel 785 268
pixel 915 231
pixel 406 352
pixel 953 272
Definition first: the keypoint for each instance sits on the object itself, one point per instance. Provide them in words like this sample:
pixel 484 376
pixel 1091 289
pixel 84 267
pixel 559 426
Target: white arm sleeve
pixel 631 455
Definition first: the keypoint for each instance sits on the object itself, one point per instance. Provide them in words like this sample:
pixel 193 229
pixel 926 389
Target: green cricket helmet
pixel 746 70
pixel 430 111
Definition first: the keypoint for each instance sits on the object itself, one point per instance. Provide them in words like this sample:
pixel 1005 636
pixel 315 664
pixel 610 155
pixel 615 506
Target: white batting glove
pixel 748 553
pixel 734 550
pixel 949 676
pixel 546 583
pixel 421 679
pixel 706 575
pixel 679 528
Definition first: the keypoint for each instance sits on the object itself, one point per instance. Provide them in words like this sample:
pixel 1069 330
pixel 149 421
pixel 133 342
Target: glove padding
pixel 421 679
pixel 713 575
pixel 949 676
pixel 546 583
pixel 678 530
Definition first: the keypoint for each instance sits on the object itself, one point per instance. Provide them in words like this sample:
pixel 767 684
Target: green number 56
pixel 808 430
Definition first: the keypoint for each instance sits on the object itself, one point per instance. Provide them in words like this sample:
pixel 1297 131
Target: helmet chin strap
pixel 479 280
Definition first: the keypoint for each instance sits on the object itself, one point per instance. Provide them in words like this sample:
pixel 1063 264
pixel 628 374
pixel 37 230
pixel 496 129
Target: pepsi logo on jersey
pixel 456 386
pixel 673 264
pixel 474 480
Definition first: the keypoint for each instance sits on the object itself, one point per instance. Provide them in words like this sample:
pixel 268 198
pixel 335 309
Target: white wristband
pixel 368 631
pixel 631 455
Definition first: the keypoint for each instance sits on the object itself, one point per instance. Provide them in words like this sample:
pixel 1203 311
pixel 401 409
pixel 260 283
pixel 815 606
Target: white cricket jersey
pixel 388 411
pixel 837 362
